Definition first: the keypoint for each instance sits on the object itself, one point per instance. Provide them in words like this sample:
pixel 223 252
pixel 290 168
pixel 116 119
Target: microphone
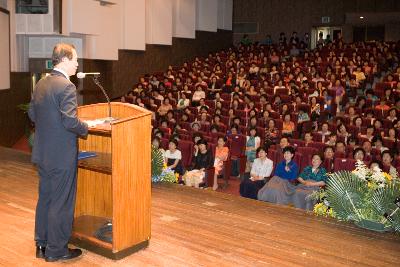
pixel 81 75
pixel 95 76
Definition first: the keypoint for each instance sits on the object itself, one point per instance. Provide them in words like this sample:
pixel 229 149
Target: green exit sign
pixel 49 64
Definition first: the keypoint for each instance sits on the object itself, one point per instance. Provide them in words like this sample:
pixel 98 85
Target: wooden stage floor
pixel 193 227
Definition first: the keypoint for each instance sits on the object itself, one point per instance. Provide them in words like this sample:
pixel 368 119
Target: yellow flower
pixel 387 176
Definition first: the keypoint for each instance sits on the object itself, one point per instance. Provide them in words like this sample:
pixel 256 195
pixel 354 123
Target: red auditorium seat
pixel 317 137
pixel 209 139
pixel 241 113
pixel 388 143
pixel 281 91
pixel 164 143
pixel 286 99
pixel 237 150
pixel 344 164
pixel 328 165
pixel 238 144
pixel 205 127
pixel 340 155
pixel 349 151
pixel 318 145
pixel 215 136
pixel 210 176
pixel 212 147
pixel 307 151
pixel 225 120
pixel 186 126
pixel 298 158
pixel 210 103
pixel 305 107
pixel 186 148
pixel 226 97
pixel 297 142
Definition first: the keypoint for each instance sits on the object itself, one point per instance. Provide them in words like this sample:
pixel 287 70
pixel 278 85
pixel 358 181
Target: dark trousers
pixel 55 209
pixel 249 188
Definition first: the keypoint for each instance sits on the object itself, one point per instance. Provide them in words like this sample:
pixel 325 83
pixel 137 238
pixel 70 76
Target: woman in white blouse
pixel 260 170
pixel 197 95
pixel 183 102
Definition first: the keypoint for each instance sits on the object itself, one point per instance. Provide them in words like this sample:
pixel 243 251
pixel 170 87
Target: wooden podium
pixel 116 184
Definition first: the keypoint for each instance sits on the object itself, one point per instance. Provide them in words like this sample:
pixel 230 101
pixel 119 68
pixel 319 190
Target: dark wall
pixel 14 122
pixel 117 77
pixel 121 75
pixel 275 16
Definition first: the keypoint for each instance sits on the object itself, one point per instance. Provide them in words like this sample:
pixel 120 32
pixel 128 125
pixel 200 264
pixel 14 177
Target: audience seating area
pixel 335 84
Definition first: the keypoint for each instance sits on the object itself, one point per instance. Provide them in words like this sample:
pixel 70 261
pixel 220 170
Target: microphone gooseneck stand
pixel 104 233
pixel 97 82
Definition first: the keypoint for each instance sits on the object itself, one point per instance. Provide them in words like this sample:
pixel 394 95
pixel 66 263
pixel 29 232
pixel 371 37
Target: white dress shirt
pixel 262 168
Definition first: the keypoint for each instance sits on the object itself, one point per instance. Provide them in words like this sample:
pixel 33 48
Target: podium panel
pixel 115 186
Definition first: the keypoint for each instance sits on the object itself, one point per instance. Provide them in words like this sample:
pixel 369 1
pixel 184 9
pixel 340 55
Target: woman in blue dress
pixel 281 188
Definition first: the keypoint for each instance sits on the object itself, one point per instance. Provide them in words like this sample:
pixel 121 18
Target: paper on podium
pixel 94 123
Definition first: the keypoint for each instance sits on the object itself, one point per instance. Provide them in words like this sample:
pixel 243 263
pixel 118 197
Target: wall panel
pixel 206 15
pixel 159 22
pixel 133 24
pixel 275 16
pixel 225 10
pixel 184 18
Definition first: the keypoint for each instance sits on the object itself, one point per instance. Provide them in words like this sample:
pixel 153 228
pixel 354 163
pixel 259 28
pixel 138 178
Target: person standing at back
pixel 53 110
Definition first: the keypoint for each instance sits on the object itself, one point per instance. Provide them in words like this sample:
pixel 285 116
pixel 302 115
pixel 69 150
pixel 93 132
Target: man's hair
pixel 60 51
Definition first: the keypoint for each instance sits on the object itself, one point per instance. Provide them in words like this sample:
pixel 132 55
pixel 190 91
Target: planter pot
pixel 373 226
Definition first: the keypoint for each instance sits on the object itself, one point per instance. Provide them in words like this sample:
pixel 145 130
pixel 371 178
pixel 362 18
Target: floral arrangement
pixel 167 175
pixel 375 177
pixel 159 170
pixel 369 198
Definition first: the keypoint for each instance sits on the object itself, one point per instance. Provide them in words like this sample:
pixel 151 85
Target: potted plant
pixel 369 198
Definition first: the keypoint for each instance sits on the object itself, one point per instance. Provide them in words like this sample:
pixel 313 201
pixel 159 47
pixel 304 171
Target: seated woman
pixel 311 179
pixel 359 154
pixel 202 160
pixel 173 157
pixel 260 170
pixel 221 155
pixel 280 188
pixel 164 107
pixel 183 102
pixel 378 143
pixel 374 165
pixel 302 117
pixel 288 126
pixel 387 159
pixel 343 133
pixel 156 143
pixel 197 95
pixel 271 133
pixel 252 143
pixel 329 160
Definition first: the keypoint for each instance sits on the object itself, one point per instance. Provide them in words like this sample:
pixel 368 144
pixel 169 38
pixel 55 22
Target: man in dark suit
pixel 53 110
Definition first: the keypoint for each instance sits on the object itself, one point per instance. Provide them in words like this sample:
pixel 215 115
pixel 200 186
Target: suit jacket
pixel 53 110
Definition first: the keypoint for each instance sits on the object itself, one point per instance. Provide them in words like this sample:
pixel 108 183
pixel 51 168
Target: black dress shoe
pixel 40 252
pixel 72 253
